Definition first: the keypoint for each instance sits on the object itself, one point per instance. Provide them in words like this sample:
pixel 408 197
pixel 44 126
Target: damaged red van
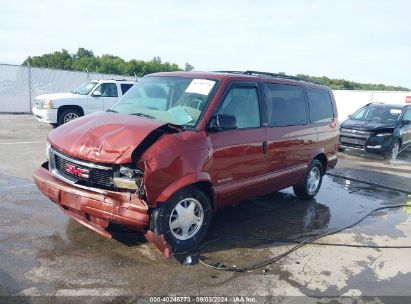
pixel 179 146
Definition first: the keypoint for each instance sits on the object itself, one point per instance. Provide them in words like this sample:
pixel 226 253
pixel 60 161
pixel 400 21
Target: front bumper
pixel 45 115
pixel 93 209
pixel 370 144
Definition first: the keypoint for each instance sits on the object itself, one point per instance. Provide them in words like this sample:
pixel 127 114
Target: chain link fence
pixel 19 85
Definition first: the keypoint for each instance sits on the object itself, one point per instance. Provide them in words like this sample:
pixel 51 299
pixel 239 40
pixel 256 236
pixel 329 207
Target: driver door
pixel 239 163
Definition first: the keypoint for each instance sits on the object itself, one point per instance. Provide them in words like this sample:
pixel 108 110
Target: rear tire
pixel 184 219
pixel 67 115
pixel 312 181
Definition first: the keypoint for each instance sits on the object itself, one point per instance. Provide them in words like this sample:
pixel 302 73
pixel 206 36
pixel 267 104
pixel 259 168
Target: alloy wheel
pixel 313 180
pixel 69 116
pixel 186 219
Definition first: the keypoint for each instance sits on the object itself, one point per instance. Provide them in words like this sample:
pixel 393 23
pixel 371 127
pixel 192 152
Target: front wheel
pixel 393 153
pixel 312 181
pixel 184 219
pixel 68 115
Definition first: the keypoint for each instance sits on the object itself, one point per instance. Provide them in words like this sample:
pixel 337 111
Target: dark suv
pixel 378 128
pixel 179 146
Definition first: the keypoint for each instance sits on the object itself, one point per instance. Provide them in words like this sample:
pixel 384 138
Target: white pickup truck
pixel 92 96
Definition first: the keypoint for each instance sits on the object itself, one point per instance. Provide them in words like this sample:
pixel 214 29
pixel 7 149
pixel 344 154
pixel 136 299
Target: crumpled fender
pixel 173 162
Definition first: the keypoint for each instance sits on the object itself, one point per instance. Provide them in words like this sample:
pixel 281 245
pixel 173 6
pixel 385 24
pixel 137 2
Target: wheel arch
pixel 66 107
pixel 201 180
pixel 322 158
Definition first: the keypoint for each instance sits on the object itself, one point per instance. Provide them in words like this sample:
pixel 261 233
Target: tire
pixel 312 183
pixel 393 153
pixel 67 115
pixel 188 235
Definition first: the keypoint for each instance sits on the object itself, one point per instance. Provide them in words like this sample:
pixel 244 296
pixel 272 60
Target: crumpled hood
pixel 56 96
pixel 366 125
pixel 103 137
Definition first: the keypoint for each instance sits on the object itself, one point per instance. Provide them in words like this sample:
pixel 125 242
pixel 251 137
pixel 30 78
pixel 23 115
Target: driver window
pixel 407 115
pixel 242 102
pixel 108 89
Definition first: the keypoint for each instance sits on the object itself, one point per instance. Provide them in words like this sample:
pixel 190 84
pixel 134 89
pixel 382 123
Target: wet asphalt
pixel 44 253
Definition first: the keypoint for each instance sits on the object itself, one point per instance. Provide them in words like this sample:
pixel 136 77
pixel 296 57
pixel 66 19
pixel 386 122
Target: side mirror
pixel 222 122
pixel 96 94
pixel 406 122
pixel 349 116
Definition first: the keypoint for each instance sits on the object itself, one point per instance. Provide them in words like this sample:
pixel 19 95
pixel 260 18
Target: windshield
pixel 176 100
pixel 377 114
pixel 85 88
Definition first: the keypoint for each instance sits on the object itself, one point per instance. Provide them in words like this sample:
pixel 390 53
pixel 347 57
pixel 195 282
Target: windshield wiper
pixel 143 115
pixel 110 110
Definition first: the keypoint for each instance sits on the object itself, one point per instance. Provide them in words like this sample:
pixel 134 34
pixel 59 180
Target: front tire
pixel 184 219
pixel 67 115
pixel 393 153
pixel 312 181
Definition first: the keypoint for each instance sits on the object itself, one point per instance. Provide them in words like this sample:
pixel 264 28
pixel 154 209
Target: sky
pixel 362 40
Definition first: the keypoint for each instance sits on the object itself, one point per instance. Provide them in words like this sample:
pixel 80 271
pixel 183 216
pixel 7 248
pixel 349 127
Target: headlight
pixel 48 104
pixel 48 147
pixel 127 178
pixel 383 134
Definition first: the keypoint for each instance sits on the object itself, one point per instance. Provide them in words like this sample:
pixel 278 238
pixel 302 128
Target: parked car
pixel 378 128
pixel 92 96
pixel 181 145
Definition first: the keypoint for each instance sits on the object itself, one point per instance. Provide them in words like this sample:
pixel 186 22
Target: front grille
pixel 354 138
pixel 98 175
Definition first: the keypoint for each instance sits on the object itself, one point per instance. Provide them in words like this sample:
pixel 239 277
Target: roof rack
pixel 267 74
pixel 277 75
pixel 370 103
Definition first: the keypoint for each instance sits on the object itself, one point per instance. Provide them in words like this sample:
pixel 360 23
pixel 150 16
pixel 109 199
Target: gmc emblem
pixel 84 173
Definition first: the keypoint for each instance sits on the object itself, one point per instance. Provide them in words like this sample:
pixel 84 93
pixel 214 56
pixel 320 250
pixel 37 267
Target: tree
pixel 188 67
pixel 85 59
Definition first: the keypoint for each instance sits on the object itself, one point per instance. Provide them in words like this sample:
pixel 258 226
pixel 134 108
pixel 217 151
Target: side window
pixel 125 87
pixel 321 109
pixel 286 105
pixel 108 89
pixel 242 102
pixel 407 115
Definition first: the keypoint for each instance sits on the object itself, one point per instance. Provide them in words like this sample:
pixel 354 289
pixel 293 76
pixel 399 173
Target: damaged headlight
pixel 127 178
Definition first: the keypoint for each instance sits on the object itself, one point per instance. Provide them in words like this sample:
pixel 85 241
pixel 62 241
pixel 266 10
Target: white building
pixel 348 101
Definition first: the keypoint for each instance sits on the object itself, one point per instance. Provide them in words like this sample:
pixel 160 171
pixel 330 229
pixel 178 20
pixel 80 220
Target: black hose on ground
pixel 380 186
pixel 298 245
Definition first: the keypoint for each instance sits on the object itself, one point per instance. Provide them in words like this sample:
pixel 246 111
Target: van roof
pixel 252 75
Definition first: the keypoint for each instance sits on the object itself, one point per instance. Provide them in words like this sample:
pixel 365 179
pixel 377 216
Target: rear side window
pixel 286 105
pixel 125 87
pixel 321 108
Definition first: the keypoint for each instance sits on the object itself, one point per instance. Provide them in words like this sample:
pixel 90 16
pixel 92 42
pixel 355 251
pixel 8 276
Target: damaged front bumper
pixel 96 210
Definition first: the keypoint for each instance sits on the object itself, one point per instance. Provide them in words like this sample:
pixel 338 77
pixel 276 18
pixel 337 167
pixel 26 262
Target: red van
pixel 179 146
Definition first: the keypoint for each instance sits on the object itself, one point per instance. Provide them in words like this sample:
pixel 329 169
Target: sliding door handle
pixel 264 148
